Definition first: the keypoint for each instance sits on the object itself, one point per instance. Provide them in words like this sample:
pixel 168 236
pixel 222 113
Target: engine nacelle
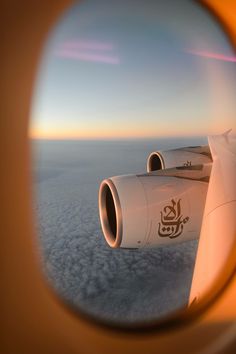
pixel 152 209
pixel 187 156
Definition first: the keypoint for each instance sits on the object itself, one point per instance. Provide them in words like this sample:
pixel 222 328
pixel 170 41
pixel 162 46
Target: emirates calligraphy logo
pixel 188 163
pixel 172 222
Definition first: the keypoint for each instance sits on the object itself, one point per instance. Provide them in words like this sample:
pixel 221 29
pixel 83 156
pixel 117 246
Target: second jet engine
pixel 187 156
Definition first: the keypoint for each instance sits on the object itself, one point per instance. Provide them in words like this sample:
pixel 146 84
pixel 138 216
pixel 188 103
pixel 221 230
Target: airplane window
pixel 127 91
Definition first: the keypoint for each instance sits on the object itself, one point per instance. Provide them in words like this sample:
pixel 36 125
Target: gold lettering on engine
pixel 172 222
pixel 188 163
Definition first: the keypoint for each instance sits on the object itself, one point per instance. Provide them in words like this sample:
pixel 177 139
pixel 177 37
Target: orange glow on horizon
pixel 144 129
pixel 75 135
pixel 126 133
pixel 110 131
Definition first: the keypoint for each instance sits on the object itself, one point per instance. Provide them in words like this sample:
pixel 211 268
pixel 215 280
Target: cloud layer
pixel 122 285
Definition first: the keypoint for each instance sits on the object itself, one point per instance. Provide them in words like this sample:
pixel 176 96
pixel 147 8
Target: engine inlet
pixel 110 213
pixel 155 162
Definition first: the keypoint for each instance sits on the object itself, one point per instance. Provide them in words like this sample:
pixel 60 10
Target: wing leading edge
pixel 218 232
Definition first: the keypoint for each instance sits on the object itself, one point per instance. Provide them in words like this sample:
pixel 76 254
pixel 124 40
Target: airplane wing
pixel 218 232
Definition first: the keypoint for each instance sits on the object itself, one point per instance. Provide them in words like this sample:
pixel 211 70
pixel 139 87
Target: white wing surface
pixel 218 233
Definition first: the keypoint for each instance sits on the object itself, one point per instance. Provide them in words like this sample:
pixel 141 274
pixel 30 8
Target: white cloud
pixel 116 284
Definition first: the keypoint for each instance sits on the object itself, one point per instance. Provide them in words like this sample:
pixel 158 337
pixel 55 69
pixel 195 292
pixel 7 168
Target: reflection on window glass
pixel 120 80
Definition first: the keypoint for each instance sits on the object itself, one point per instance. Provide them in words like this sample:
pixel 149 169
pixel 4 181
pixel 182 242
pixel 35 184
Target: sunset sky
pixel 134 69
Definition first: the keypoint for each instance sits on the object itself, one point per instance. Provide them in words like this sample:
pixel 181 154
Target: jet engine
pixel 187 156
pixel 160 207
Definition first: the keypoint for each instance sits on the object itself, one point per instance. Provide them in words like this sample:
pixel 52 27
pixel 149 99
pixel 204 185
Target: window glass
pixel 119 80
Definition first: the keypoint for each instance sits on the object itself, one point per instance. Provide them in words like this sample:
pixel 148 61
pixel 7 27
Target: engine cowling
pixel 152 209
pixel 187 156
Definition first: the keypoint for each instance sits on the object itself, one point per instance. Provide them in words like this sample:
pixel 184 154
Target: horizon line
pixel 117 138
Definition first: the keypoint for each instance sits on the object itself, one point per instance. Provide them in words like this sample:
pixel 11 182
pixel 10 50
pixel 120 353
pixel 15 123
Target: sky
pixel 134 69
